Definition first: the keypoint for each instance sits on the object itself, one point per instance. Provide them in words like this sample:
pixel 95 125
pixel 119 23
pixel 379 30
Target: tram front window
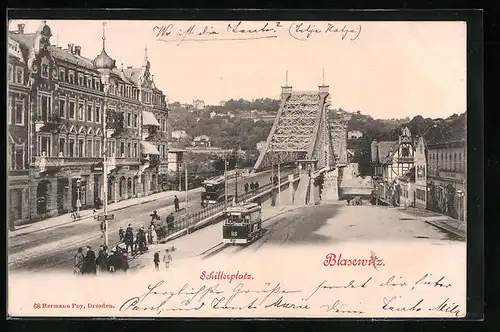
pixel 210 188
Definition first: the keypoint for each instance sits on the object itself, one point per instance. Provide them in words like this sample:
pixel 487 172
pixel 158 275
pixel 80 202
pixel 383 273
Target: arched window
pixel 455 166
pixel 460 168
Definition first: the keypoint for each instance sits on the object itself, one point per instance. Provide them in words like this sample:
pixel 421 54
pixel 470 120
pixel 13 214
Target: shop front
pixel 447 194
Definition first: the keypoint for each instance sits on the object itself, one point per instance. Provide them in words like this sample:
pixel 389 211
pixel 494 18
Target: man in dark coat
pixel 89 263
pixel 252 186
pixel 102 260
pixel 156 260
pixel 246 188
pixel 129 239
pixel 256 185
pixel 176 204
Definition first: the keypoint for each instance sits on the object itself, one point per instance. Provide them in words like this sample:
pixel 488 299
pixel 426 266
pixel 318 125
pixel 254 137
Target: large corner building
pixel 58 101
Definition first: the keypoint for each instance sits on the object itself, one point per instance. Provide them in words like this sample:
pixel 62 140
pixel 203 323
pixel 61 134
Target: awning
pixel 148 148
pixel 148 119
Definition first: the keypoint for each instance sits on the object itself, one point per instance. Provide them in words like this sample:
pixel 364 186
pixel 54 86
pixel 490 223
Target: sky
pixel 383 69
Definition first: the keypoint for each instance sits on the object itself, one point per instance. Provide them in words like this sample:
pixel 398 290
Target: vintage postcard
pixel 268 169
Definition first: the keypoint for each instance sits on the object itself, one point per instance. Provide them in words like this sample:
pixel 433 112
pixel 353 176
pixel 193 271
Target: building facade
pixel 447 179
pixel 71 102
pixel 18 102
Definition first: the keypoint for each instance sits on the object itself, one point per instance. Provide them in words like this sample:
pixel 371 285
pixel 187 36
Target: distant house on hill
pixel 201 141
pixel 199 104
pixel 179 134
pixel 354 134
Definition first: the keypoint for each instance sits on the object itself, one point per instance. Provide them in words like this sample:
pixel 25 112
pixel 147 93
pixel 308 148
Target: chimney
pixel 20 28
pixel 78 50
pixel 70 48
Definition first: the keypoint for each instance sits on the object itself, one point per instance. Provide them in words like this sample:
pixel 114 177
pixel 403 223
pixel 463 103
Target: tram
pixel 213 191
pixel 242 223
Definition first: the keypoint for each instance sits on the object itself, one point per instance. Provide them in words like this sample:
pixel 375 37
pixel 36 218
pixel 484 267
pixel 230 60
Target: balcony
pixel 45 122
pixel 149 132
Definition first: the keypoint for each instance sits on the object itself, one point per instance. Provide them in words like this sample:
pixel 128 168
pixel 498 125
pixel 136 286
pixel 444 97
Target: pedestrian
pixel 121 234
pixel 89 262
pixel 78 261
pixel 154 216
pixel 176 203
pixel 252 186
pixel 113 261
pixel 349 201
pixel 156 260
pixel 102 260
pixel 256 186
pixel 167 259
pixel 246 187
pixel 129 239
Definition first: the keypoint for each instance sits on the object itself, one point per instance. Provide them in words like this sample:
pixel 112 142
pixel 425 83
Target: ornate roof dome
pixel 103 60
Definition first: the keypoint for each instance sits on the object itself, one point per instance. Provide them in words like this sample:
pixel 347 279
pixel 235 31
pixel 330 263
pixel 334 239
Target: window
pixel 89 82
pixel 135 121
pixel 405 151
pixel 135 150
pixel 89 112
pixel 164 125
pixel 80 79
pixel 45 68
pixel 460 165
pixel 71 77
pixel 72 109
pixel 44 107
pixel 62 145
pixel 44 146
pixel 122 149
pixel 19 112
pixel 81 147
pixel 97 150
pixel 71 151
pixel 80 112
pixel 62 107
pixel 88 148
pixel 62 74
pixel 455 166
pixel 97 114
pixel 121 90
pixel 97 85
pixel 11 73
pixel 129 150
pixel 17 156
pixel 129 121
pixel 19 75
pixel 163 150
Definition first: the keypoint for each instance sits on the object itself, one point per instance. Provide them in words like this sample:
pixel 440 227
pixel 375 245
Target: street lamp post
pixel 105 81
pixel 78 201
pixel 279 184
pixel 225 181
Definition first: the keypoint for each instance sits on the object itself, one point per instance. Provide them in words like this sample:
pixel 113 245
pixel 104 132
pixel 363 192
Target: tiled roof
pixel 78 60
pixel 26 42
pixel 133 74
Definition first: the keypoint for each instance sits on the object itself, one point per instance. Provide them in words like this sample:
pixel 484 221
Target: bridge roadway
pixel 54 248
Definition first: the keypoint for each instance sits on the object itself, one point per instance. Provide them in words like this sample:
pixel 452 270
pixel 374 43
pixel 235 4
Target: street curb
pixel 462 236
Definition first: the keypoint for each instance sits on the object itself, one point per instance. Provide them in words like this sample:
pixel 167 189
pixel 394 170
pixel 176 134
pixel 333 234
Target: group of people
pixel 252 186
pixel 138 242
pixel 88 263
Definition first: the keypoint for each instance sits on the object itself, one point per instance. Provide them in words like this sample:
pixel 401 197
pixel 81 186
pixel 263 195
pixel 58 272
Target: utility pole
pixel 186 188
pixel 225 180
pixel 236 183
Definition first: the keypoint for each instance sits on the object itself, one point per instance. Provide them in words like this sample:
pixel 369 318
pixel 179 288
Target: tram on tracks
pixel 213 191
pixel 242 223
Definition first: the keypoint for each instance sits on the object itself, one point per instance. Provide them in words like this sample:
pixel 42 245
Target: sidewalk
pixel 438 220
pixel 65 219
